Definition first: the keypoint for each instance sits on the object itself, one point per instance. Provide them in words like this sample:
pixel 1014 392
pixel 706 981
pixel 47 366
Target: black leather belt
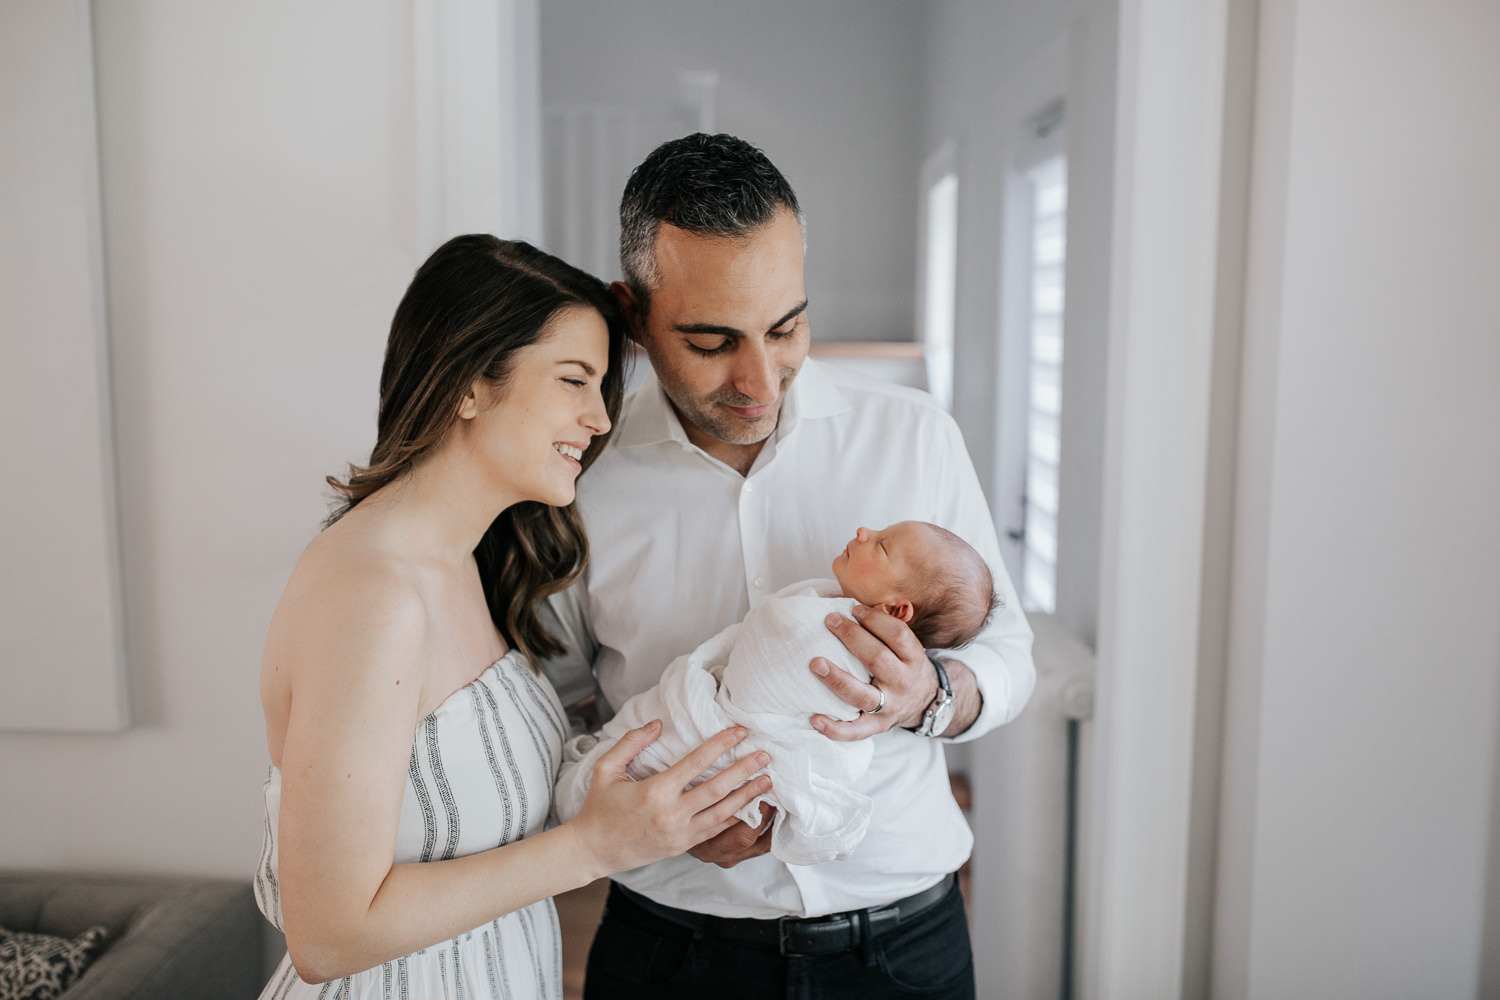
pixel 794 936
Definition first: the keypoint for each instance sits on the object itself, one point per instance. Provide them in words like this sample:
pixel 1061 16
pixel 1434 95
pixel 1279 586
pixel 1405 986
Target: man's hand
pixel 738 843
pixel 899 669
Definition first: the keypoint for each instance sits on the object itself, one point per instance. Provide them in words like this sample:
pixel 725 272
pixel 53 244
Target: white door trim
pixel 477 72
pixel 1172 61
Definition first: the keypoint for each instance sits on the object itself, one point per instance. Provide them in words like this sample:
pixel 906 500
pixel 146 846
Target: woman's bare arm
pixel 356 677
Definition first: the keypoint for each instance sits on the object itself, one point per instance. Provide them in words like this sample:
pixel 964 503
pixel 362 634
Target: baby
pixel 755 674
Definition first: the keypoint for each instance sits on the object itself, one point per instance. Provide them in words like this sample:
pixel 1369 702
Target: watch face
pixel 941 716
pixel 940 712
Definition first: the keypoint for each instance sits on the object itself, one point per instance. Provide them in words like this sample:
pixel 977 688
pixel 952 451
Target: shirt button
pixel 760 582
pixel 749 486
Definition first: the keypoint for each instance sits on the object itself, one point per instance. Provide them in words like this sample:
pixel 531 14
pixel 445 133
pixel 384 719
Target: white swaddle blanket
pixel 755 674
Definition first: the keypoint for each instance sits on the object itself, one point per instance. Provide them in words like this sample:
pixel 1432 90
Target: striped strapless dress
pixel 481 773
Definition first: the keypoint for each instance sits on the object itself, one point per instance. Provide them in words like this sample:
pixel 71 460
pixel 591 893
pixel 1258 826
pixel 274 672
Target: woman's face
pixel 532 432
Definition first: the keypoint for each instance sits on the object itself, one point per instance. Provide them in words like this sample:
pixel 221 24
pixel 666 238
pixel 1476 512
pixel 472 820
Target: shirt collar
pixel 650 419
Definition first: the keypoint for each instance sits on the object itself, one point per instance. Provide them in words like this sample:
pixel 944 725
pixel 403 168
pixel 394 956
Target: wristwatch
pixel 935 720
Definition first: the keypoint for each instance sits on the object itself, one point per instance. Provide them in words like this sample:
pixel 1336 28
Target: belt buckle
pixel 782 942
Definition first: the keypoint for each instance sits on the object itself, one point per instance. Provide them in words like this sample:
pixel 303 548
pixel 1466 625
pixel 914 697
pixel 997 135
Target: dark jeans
pixel 639 954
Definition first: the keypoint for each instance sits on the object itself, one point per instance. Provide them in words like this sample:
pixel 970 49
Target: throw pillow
pixel 39 966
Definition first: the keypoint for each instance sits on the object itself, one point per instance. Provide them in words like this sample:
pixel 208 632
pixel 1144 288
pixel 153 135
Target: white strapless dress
pixel 481 774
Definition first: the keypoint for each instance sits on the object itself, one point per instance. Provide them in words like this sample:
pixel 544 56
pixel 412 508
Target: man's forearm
pixel 967 701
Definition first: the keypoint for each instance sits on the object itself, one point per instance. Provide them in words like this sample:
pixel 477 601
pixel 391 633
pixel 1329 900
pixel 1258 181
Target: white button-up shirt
pixel 681 546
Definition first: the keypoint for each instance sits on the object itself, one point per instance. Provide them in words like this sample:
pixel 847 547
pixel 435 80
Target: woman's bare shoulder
pixel 350 593
pixel 361 554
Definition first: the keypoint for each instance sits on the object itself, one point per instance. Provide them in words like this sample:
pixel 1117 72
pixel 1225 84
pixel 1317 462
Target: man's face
pixel 727 332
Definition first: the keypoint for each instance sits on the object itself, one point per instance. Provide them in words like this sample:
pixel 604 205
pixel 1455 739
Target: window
pixel 938 279
pixel 1048 183
pixel 1029 435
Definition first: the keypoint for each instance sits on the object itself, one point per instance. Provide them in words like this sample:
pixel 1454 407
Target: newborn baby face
pixel 876 567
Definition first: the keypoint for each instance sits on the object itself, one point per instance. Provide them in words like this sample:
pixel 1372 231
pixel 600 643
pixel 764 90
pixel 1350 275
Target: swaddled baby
pixel 755 674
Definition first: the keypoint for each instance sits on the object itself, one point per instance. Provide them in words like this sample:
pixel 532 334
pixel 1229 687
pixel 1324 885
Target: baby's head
pixel 925 575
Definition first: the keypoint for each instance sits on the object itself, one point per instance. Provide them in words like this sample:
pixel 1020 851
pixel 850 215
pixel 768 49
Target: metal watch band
pixel 940 712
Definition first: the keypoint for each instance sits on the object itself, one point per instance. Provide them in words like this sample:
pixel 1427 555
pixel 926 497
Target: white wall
pixel 261 221
pixel 52 335
pixel 829 90
pixel 1363 682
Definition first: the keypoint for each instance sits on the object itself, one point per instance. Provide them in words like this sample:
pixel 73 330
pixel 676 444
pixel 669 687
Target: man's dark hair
pixel 712 185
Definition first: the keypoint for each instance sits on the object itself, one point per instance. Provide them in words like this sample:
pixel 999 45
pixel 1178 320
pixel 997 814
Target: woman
pixel 404 714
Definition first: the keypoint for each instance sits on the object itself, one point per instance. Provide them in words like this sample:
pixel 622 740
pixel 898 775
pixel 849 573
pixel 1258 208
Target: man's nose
pixel 757 375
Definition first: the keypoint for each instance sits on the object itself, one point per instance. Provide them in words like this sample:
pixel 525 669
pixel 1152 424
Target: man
pixel 735 469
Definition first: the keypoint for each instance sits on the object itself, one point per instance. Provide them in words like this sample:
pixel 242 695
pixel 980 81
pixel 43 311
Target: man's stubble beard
pixel 709 417
pixel 706 416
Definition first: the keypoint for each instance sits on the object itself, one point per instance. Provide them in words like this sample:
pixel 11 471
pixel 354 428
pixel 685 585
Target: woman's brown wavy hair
pixel 474 303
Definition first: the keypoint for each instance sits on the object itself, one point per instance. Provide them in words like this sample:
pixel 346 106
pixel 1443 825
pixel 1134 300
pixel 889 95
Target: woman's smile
pixel 572 452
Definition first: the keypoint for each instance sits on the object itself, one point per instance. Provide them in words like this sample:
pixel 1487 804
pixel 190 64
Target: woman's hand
pixel 626 823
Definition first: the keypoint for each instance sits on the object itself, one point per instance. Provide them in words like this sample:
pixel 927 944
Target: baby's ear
pixel 903 611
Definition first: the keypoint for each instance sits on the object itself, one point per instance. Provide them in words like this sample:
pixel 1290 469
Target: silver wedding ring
pixel 877 708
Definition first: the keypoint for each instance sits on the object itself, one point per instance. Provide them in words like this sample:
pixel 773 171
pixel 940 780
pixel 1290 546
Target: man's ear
pixel 903 611
pixel 630 306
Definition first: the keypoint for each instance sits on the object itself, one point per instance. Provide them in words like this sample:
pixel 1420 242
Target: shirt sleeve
pixel 1000 658
pixel 564 616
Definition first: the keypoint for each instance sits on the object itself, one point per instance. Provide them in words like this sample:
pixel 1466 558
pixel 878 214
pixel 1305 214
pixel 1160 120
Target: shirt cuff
pixel 1003 687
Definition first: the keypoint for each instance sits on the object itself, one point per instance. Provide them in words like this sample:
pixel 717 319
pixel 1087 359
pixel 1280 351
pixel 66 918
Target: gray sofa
pixel 170 938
